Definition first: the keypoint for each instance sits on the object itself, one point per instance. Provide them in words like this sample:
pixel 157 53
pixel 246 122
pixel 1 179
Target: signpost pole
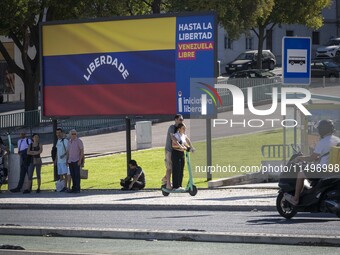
pixel 55 139
pixel 209 154
pixel 128 142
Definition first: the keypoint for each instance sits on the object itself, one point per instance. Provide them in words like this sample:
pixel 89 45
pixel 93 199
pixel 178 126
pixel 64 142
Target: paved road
pixel 148 247
pixel 202 221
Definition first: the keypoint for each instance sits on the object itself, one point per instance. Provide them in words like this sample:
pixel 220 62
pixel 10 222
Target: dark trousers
pixel 23 169
pixel 75 175
pixel 136 185
pixel 178 162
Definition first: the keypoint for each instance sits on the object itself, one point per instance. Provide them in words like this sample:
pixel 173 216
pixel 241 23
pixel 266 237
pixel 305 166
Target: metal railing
pixel 277 150
pixel 32 119
pixel 27 119
pixel 261 92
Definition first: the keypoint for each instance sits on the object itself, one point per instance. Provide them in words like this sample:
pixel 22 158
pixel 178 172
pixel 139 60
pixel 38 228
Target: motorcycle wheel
pixel 164 192
pixel 284 208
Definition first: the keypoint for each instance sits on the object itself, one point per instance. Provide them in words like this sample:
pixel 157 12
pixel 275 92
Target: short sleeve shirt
pixel 62 145
pixel 324 146
pixel 23 144
pixel 74 148
pixel 171 130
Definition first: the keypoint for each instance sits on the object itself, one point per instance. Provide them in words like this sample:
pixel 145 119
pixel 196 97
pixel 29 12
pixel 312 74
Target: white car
pixel 330 50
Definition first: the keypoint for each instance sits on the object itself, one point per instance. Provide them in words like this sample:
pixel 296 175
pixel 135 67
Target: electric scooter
pixel 323 195
pixel 191 188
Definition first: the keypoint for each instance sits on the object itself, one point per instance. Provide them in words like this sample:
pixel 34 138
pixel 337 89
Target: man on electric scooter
pixel 320 156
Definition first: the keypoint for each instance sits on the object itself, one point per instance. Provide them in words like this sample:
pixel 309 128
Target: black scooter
pixel 323 195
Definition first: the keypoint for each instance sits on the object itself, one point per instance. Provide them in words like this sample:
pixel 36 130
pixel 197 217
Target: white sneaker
pixel 180 189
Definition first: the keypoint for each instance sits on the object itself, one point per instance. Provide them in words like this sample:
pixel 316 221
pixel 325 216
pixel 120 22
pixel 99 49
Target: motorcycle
pixel 322 195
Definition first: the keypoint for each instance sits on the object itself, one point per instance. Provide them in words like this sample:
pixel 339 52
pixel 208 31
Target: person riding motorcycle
pixel 320 156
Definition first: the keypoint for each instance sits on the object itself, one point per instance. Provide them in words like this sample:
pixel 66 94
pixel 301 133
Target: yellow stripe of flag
pixel 109 36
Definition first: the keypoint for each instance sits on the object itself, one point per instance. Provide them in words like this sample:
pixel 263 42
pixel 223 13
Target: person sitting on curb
pixel 135 179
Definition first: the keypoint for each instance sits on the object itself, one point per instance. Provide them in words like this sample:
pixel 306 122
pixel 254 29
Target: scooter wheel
pixel 164 192
pixel 284 208
pixel 193 192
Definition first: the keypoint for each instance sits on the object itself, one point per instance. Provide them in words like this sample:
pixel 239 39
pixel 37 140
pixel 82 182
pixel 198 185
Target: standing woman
pixel 34 150
pixel 180 144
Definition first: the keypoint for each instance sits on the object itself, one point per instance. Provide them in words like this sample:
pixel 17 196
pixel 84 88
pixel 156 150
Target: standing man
pixel 168 149
pixel 61 158
pixel 74 159
pixel 23 144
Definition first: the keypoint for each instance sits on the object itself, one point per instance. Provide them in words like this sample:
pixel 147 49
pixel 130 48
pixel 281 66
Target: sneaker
pixel 38 191
pixel 180 189
pixel 26 191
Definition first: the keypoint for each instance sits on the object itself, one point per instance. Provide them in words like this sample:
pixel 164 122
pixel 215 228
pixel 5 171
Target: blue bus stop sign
pixel 296 60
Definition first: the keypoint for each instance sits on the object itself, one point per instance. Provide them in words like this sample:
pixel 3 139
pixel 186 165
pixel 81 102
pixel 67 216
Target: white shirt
pixel 61 150
pixel 324 146
pixel 23 144
pixel 181 138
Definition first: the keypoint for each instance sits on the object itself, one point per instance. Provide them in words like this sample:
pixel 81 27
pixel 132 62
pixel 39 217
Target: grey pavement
pixel 242 198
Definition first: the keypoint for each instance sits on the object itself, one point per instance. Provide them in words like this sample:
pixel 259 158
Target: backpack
pixel 54 150
pixel 334 157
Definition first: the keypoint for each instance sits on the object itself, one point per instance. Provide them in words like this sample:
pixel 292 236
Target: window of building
pixel 316 38
pixel 289 33
pixel 228 43
pixel 249 43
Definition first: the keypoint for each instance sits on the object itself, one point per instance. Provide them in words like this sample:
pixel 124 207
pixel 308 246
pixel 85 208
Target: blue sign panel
pixel 195 58
pixel 296 60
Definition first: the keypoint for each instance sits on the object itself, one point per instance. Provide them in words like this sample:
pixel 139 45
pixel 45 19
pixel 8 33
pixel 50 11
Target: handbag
pixel 84 173
pixel 37 161
pixel 59 185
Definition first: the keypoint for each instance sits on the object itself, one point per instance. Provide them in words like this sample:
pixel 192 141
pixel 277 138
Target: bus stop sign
pixel 296 60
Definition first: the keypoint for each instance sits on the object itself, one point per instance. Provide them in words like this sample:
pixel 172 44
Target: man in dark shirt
pixel 135 179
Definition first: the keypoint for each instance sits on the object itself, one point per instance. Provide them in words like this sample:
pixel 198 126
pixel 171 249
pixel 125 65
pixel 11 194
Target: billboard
pixel 127 67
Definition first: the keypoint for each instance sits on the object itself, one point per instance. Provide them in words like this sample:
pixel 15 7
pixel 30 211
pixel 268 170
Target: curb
pixel 229 237
pixel 143 207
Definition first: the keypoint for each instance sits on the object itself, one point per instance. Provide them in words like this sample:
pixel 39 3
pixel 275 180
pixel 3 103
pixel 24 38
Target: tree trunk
pixel 261 37
pixel 156 6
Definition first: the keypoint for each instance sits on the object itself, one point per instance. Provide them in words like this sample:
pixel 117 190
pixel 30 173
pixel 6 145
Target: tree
pixel 305 12
pixel 20 19
pixel 236 16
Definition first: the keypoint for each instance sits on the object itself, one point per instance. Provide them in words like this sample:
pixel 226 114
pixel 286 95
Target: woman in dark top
pixel 34 150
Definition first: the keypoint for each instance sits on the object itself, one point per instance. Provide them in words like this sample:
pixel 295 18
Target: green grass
pixel 105 172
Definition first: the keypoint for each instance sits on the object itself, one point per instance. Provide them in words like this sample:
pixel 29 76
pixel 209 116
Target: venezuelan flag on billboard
pixel 126 67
